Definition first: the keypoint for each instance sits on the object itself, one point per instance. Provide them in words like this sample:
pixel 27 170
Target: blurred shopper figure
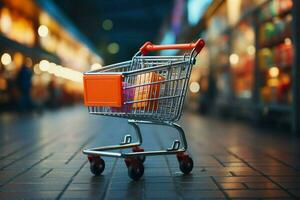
pixel 23 83
pixel 207 98
pixel 54 94
pixel 39 93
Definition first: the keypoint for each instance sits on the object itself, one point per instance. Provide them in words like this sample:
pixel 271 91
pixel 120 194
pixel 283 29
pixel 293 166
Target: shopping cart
pixel 145 90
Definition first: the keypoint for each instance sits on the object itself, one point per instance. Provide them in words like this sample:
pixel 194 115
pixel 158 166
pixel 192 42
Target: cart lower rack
pixel 146 90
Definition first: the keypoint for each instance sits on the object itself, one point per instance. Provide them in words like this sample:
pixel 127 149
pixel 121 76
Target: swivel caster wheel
pixel 135 168
pixel 97 165
pixel 142 158
pixel 186 163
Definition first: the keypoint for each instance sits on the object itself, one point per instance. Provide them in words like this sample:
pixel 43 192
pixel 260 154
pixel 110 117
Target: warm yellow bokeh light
pixel 43 31
pixel 44 65
pixel 194 87
pixel 5 59
pixel 234 59
pixel 96 66
pixel 274 72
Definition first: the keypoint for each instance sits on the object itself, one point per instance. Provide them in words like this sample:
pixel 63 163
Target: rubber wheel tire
pixel 97 166
pixel 186 165
pixel 136 170
pixel 142 158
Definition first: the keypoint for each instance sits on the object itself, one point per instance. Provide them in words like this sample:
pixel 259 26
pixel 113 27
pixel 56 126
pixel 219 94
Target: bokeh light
pixel 96 66
pixel 274 72
pixel 43 31
pixel 194 87
pixel 107 24
pixel 5 59
pixel 113 48
pixel 44 65
pixel 234 59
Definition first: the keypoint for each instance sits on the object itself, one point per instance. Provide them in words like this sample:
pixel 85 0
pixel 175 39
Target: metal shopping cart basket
pixel 145 90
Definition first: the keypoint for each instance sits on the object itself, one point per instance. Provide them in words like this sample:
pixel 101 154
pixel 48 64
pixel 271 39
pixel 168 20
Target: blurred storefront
pixel 249 60
pixel 42 56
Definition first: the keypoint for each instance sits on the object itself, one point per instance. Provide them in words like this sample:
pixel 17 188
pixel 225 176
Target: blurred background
pixel 249 69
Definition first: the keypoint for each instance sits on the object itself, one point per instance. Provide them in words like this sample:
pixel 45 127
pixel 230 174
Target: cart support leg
pixel 125 144
pixel 181 134
pixel 137 131
pixel 177 146
pixel 173 125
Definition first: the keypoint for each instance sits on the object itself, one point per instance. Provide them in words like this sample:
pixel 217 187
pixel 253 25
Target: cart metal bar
pixel 108 67
pixel 120 146
pixel 151 58
pixel 152 99
pixel 153 83
pixel 103 151
pixel 155 68
pixel 137 71
pixel 132 154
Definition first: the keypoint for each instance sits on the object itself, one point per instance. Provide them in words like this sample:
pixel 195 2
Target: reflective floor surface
pixel 41 158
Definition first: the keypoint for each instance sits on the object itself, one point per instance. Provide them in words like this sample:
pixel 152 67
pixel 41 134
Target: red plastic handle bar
pixel 148 46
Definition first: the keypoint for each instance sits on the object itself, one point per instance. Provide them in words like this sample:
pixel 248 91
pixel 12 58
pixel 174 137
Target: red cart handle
pixel 148 46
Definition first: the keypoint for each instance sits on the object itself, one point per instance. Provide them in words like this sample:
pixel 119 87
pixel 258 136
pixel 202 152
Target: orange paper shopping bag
pixel 148 93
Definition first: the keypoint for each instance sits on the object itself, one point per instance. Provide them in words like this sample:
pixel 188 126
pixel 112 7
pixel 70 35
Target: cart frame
pixel 134 160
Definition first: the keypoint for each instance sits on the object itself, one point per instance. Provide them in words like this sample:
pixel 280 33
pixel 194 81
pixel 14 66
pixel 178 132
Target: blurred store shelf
pixel 42 54
pixel 249 66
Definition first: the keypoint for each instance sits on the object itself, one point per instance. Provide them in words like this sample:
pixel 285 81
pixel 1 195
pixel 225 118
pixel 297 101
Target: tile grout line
pixel 217 159
pixel 15 151
pixel 246 186
pixel 26 170
pixel 274 158
pixel 220 187
pixel 232 173
pixel 284 163
pixel 80 148
pixel 30 152
pixel 47 172
pixel 107 186
pixel 169 167
pixel 262 174
pixel 70 181
pixel 26 144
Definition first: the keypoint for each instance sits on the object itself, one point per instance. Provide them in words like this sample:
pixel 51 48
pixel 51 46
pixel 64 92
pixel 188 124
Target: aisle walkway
pixel 40 157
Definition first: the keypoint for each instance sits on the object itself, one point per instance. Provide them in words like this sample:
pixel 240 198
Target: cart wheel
pixel 97 165
pixel 141 158
pixel 186 165
pixel 135 170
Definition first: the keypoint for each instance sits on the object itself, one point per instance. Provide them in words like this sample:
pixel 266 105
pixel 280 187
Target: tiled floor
pixel 40 158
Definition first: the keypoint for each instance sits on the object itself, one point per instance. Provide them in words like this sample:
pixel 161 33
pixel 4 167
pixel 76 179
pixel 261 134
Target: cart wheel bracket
pixel 126 140
pixel 175 146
